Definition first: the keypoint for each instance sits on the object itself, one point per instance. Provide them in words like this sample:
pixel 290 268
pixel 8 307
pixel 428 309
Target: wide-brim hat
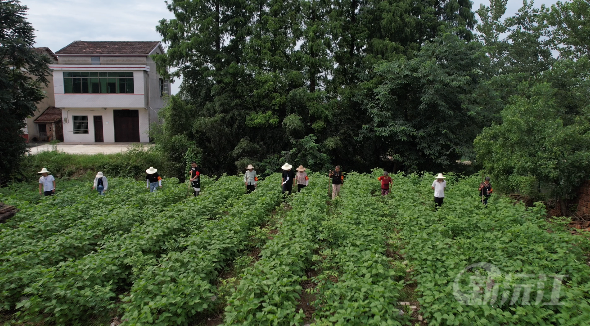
pixel 287 166
pixel 43 170
pixel 151 170
pixel 249 167
pixel 301 168
pixel 99 175
pixel 440 176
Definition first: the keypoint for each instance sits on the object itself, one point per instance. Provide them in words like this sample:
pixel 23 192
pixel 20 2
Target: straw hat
pixel 151 170
pixel 287 166
pixel 99 175
pixel 301 168
pixel 43 170
pixel 440 176
pixel 249 167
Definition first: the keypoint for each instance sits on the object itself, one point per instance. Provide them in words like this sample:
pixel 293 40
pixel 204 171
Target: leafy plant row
pixel 75 289
pixel 23 264
pixel 182 284
pixel 75 207
pixel 359 284
pixel 269 291
pixel 525 250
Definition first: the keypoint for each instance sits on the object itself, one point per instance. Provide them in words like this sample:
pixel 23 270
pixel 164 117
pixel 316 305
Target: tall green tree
pixel 538 149
pixel 23 73
pixel 426 111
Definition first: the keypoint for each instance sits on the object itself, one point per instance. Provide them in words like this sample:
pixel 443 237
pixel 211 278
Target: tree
pixel 538 147
pixel 425 110
pixel 23 73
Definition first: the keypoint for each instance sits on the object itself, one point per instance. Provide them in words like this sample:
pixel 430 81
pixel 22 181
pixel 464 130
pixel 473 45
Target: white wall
pixel 107 125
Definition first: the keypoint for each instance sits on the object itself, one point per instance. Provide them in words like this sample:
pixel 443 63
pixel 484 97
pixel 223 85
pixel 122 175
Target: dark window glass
pixel 80 124
pixel 129 86
pixel 95 82
pixel 84 85
pixel 77 85
pixel 112 85
pixel 68 85
pixel 42 127
pixel 94 85
pixel 95 60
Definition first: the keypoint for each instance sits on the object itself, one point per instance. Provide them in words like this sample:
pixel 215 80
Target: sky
pixel 60 22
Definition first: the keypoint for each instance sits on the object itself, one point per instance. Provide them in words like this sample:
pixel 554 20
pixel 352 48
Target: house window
pixel 80 124
pixel 98 82
pixel 95 60
pixel 163 87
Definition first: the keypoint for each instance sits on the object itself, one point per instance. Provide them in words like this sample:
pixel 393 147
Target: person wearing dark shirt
pixel 337 180
pixel 288 178
pixel 153 179
pixel 385 182
pixel 195 178
pixel 485 191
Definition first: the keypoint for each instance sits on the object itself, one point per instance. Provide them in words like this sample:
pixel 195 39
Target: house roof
pixel 109 48
pixel 51 114
pixel 47 51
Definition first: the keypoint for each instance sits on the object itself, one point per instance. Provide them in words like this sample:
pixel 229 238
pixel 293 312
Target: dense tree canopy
pixel 22 75
pixel 403 85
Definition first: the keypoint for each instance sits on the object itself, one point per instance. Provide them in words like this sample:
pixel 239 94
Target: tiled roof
pixel 51 114
pixel 47 51
pixel 109 47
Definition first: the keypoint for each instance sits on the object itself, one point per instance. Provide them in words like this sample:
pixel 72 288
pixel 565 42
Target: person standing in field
pixel 386 181
pixel 195 178
pixel 485 191
pixel 100 183
pixel 439 186
pixel 250 178
pixel 46 183
pixel 153 179
pixel 301 178
pixel 337 180
pixel 288 178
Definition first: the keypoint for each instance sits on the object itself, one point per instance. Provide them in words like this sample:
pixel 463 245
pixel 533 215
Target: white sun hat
pixel 287 166
pixel 250 167
pixel 440 176
pixel 99 175
pixel 151 170
pixel 43 170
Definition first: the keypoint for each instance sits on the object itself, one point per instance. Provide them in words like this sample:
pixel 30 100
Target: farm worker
pixel 439 186
pixel 250 178
pixel 100 183
pixel 195 178
pixel 288 178
pixel 153 179
pixel 485 190
pixel 337 180
pixel 301 178
pixel 46 183
pixel 385 182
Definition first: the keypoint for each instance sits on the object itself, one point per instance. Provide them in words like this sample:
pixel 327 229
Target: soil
pixel 307 299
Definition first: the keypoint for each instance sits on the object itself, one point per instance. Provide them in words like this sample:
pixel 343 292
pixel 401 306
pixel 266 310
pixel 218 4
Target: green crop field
pixel 231 258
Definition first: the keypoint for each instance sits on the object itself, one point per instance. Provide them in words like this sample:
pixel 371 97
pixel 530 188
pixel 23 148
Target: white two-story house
pixel 108 91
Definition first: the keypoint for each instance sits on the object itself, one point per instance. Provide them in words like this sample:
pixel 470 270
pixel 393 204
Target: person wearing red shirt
pixel 385 183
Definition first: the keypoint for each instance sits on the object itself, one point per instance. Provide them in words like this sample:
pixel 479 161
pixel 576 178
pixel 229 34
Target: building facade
pixel 37 130
pixel 108 91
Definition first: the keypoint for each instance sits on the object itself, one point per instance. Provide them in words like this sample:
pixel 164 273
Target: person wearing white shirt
pixel 439 186
pixel 101 183
pixel 46 183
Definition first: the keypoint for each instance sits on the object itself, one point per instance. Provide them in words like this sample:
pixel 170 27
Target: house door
pixel 126 125
pixel 98 135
